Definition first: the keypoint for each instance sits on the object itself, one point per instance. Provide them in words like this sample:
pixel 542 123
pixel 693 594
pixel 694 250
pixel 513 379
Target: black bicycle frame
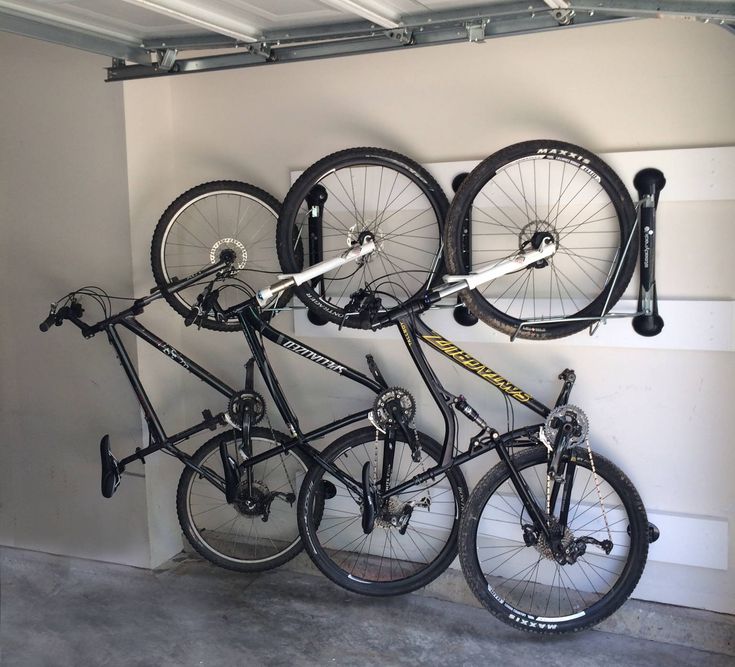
pixel 413 332
pixel 253 328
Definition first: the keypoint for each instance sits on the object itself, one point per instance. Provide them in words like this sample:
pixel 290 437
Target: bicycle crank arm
pixel 369 500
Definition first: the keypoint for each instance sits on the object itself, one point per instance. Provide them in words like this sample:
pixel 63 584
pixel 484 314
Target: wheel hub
pixel 526 234
pixel 545 549
pixel 241 254
pixel 252 501
pixel 359 231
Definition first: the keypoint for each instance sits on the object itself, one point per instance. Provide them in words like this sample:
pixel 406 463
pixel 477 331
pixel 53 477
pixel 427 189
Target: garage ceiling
pixel 164 37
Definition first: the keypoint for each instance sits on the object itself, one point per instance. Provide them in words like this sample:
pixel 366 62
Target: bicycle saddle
pixel 110 469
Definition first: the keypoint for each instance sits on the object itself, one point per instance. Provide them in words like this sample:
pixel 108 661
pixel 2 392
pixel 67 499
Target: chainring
pixel 567 414
pixel 234 408
pixel 383 416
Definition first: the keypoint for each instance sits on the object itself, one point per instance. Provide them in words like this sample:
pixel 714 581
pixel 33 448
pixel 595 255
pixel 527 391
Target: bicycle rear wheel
pixel 336 202
pixel 259 530
pixel 203 222
pixel 512 571
pixel 553 187
pixel 386 561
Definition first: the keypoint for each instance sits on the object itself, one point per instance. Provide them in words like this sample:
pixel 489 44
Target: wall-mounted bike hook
pixel 648 183
pixel 461 313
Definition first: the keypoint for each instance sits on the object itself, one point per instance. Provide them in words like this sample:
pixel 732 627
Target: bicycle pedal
pixel 111 471
pixel 328 489
pixel 368 500
pixel 232 479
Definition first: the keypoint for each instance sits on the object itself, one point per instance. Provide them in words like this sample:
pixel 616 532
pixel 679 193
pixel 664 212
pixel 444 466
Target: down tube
pixel 469 363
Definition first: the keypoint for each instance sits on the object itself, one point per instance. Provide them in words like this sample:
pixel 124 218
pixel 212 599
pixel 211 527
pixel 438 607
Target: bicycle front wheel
pixel 203 222
pixel 259 530
pixel 342 198
pixel 387 561
pixel 555 188
pixel 512 570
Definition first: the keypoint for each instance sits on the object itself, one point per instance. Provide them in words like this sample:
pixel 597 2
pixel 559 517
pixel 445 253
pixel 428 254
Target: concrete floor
pixel 58 611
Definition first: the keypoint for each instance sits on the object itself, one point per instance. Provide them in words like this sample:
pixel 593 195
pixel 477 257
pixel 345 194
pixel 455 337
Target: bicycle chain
pixel 597 486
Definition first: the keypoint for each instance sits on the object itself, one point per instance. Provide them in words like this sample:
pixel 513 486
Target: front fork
pixel 374 490
pixel 233 472
pixel 560 474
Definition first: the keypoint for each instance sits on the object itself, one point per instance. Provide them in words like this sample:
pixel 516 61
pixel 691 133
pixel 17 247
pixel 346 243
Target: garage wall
pixel 641 85
pixel 63 223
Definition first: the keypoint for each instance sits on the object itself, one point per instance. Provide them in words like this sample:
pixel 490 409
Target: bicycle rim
pixel 204 222
pixel 537 187
pixel 367 192
pixel 522 584
pixel 383 562
pixel 251 533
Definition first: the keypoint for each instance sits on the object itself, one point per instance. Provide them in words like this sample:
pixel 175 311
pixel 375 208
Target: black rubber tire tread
pixel 622 588
pixel 182 505
pixel 292 262
pixel 377 589
pixel 462 202
pixel 211 187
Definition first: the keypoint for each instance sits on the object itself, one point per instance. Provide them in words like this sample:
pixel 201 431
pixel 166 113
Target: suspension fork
pixel 247 420
pixel 538 516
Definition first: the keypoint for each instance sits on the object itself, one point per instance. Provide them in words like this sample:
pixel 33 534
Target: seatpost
pixel 648 183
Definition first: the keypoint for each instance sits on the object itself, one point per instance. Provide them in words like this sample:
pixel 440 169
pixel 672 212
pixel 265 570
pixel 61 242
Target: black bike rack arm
pixel 648 183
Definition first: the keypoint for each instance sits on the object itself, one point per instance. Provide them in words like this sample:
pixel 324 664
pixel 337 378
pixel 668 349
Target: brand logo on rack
pixel 313 356
pixel 478 368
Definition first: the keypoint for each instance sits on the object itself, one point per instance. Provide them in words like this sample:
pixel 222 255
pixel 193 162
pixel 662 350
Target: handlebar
pixel 72 312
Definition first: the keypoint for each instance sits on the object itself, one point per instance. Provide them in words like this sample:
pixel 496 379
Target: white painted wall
pixel 64 223
pixel 643 85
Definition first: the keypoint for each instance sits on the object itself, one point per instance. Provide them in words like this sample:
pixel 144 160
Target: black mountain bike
pixel 236 498
pixel 553 539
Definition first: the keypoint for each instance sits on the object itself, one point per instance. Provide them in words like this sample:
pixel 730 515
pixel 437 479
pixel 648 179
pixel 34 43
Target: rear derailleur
pixel 561 546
